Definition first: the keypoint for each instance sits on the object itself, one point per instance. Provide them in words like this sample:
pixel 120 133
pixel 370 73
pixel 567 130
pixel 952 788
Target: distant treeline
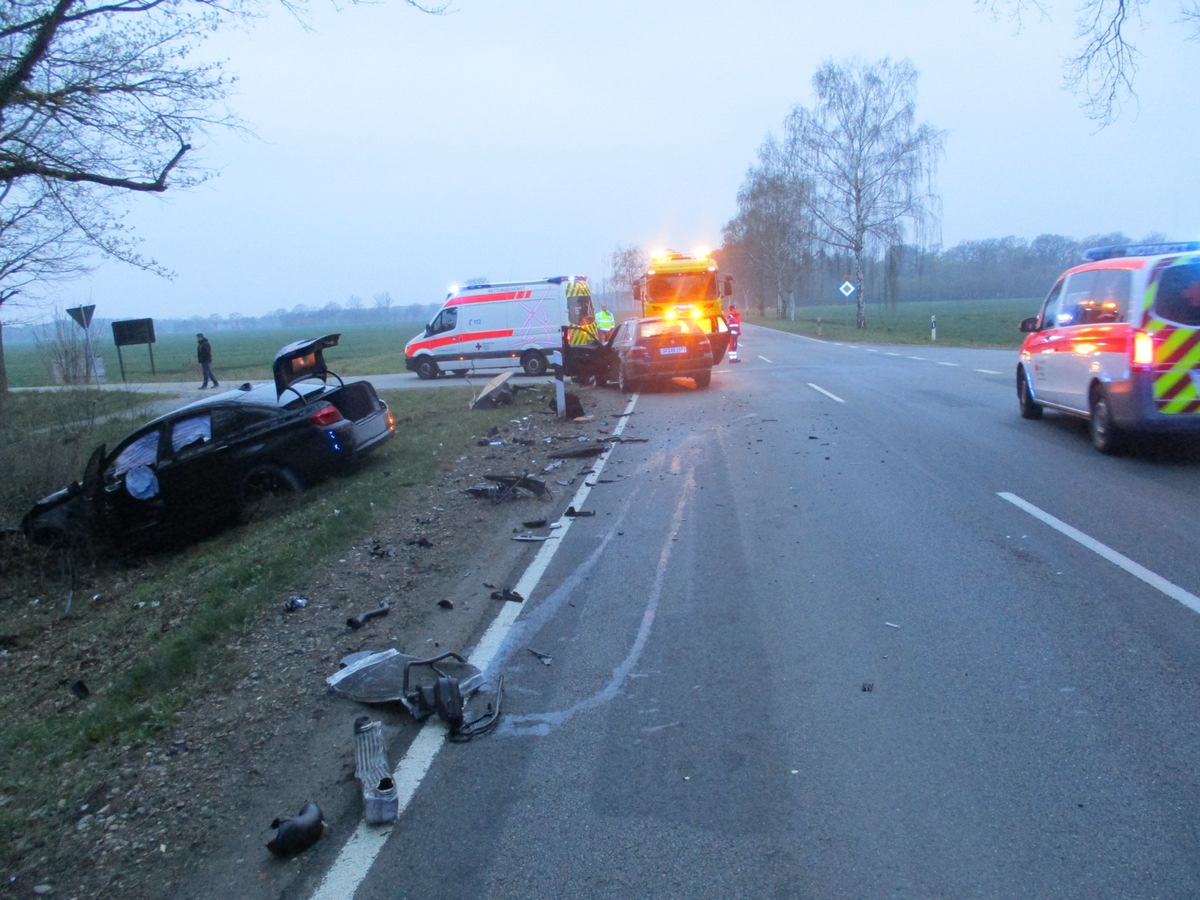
pixel 989 269
pixel 325 319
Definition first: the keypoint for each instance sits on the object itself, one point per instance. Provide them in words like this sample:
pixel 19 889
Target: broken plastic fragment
pixel 356 622
pixel 384 677
pixel 297 833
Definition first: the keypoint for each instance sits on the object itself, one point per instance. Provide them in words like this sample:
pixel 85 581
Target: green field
pixel 237 355
pixel 246 355
pixel 975 323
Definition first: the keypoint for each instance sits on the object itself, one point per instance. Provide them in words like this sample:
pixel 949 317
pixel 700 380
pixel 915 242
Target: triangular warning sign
pixel 82 315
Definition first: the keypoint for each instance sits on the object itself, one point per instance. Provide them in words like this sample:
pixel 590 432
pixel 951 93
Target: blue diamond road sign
pixel 847 288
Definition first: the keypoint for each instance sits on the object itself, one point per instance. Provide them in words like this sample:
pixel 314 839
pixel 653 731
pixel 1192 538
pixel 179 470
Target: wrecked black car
pixel 602 363
pixel 211 462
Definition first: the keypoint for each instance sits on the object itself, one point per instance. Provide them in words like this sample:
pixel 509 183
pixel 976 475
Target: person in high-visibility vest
pixel 605 322
pixel 734 320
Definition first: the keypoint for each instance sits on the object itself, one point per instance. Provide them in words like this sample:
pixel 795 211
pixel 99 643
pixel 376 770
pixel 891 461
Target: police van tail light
pixel 1143 348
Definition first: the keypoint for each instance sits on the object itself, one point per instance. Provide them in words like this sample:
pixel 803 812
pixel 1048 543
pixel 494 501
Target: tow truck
pixel 680 285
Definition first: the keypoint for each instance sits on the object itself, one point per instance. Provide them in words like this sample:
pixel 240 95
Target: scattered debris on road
pixel 381 802
pixel 297 833
pixel 441 685
pixel 509 487
pixel 356 622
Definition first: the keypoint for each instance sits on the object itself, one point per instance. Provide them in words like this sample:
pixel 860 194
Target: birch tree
pixel 772 235
pixel 870 164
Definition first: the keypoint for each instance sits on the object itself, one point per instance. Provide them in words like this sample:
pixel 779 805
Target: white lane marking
pixel 1174 591
pixel 821 390
pixel 917 358
pixel 542 722
pixel 764 359
pixel 354 861
pixel 951 365
pixel 988 372
pixel 890 353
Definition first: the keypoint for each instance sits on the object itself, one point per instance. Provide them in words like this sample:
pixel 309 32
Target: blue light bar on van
pixel 1095 254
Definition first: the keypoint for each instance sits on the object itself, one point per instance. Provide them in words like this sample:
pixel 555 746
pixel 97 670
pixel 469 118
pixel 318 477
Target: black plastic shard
pixel 297 833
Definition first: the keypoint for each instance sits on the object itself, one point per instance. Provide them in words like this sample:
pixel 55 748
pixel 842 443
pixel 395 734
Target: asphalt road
pixel 830 634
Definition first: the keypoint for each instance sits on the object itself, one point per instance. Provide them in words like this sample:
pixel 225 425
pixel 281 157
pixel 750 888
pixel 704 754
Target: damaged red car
pixel 211 462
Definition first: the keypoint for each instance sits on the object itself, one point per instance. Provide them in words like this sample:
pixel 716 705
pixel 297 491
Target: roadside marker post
pixel 560 390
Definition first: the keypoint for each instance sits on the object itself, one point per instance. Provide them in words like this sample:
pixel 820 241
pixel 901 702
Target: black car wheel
pixel 1106 437
pixel 534 363
pixel 704 379
pixel 260 485
pixel 1030 409
pixel 427 369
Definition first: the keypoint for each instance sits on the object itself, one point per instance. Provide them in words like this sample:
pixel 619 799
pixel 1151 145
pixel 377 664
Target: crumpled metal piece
pixel 381 802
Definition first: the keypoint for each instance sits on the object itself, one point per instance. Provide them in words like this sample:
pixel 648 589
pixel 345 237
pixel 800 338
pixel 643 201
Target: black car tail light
pixel 325 416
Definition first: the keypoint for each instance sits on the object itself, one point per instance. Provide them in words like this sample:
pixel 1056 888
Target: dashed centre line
pixel 821 390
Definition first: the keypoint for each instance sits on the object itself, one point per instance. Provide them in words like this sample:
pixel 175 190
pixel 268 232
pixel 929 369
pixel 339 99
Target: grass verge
pixel 46 438
pixel 960 323
pixel 154 632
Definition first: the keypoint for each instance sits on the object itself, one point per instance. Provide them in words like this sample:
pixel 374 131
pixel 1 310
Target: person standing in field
pixel 204 357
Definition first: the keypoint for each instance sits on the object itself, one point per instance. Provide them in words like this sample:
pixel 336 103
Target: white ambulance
pixel 497 326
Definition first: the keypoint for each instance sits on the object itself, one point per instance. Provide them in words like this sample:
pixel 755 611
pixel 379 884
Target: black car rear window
pixel 670 326
pixel 1178 295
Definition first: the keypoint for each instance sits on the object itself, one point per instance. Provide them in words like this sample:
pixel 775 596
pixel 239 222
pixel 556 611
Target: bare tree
pixel 773 234
pixel 1105 68
pixel 870 163
pixel 100 100
pixel 626 266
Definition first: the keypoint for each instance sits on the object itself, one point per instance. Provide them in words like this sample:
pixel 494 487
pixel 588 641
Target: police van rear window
pixel 1096 297
pixel 1178 295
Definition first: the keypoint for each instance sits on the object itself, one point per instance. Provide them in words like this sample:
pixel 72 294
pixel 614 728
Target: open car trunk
pixel 357 401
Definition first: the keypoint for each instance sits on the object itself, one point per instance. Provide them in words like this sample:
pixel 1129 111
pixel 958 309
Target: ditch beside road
pixel 188 812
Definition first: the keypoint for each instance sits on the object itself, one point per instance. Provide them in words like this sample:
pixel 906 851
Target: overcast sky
pixel 400 152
